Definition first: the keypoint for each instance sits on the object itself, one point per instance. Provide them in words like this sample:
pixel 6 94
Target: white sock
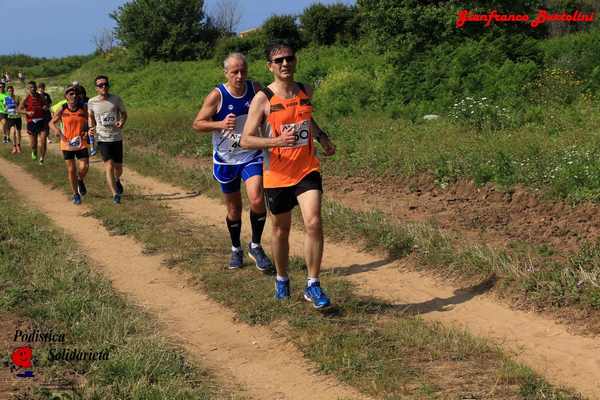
pixel 233 248
pixel 282 278
pixel 312 280
pixel 254 245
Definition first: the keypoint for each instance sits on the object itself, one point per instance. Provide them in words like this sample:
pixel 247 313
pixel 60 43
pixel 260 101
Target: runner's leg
pixel 84 165
pixel 42 143
pixel 310 206
pixel 258 212
pixel 72 174
pixel 281 246
pixel 33 139
pixel 110 176
pixel 233 204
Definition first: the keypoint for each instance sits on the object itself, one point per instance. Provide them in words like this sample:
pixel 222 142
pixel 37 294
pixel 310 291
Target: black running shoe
pixel 119 187
pixel 81 187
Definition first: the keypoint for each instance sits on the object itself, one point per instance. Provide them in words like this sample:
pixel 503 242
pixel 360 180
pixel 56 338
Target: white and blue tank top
pixel 226 143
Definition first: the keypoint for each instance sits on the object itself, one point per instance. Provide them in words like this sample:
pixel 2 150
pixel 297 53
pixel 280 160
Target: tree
pixel 226 16
pixel 282 28
pixel 105 41
pixel 324 25
pixel 165 29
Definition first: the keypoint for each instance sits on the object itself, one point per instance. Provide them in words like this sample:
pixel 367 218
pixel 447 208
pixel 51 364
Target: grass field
pixel 368 344
pixel 47 280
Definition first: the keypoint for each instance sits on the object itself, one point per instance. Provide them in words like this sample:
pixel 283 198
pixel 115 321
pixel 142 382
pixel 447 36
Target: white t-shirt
pixel 106 113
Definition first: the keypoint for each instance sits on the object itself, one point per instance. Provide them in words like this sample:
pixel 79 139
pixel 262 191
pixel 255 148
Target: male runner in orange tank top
pixel 73 140
pixel 291 173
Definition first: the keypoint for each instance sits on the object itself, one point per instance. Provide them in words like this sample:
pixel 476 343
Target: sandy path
pixel 544 345
pixel 266 367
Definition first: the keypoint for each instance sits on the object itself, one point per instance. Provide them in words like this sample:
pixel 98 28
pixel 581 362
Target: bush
pixel 345 92
pixel 282 28
pixel 167 30
pixel 325 25
pixel 252 46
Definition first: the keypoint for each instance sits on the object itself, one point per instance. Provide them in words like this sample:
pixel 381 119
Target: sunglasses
pixel 71 93
pixel 279 60
pixel 102 85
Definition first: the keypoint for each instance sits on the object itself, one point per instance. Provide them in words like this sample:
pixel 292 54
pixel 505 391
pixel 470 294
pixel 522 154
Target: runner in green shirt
pixel 3 115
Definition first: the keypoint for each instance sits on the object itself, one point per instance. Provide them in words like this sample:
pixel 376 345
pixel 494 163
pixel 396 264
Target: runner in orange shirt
pixel 291 169
pixel 73 140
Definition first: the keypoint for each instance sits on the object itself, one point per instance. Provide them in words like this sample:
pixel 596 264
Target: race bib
pixel 108 119
pixel 75 142
pixel 231 140
pixel 301 132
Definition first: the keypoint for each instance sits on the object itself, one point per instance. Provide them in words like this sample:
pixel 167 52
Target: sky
pixel 58 28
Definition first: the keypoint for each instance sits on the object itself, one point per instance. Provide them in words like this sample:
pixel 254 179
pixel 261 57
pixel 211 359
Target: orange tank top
pixel 74 124
pixel 286 166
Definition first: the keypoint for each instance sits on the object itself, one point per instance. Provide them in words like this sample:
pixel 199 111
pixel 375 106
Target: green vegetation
pixel 47 280
pixel 34 67
pixel 165 30
pixel 374 346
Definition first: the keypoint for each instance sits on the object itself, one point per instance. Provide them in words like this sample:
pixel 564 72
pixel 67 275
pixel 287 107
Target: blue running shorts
pixel 229 176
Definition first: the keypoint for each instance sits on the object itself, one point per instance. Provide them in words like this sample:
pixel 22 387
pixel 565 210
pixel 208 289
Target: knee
pixel 256 202
pixel 281 231
pixel 313 226
pixel 234 212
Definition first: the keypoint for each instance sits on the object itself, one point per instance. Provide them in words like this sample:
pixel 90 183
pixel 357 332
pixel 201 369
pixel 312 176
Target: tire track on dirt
pixel 267 367
pixel 541 343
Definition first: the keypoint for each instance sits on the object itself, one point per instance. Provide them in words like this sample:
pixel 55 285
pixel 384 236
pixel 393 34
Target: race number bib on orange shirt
pixel 301 132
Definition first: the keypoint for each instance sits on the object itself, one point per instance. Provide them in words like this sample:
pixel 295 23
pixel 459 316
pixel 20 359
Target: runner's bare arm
pixel 319 134
pixel 256 114
pixel 57 116
pixel 91 122
pixel 21 109
pixel 121 123
pixel 204 123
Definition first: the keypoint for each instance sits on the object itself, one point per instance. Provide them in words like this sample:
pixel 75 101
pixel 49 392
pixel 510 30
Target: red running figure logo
pixel 21 357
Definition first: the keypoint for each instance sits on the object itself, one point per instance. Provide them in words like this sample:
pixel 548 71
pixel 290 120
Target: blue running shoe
pixel 237 259
pixel 316 296
pixel 117 198
pixel 282 289
pixel 263 263
pixel 76 199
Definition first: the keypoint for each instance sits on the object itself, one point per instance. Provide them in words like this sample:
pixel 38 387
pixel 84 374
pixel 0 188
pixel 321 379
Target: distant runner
pixel 223 114
pixel 34 107
pixel 73 141
pixel 47 112
pixel 107 116
pixel 291 169
pixel 14 120
pixel 3 113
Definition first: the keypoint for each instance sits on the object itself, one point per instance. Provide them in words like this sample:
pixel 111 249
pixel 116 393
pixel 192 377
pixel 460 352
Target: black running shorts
pixel 284 199
pixel 34 128
pixel 70 155
pixel 16 122
pixel 111 151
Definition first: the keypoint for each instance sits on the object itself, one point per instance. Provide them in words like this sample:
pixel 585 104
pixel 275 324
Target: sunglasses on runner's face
pixel 279 60
pixel 71 93
pixel 102 85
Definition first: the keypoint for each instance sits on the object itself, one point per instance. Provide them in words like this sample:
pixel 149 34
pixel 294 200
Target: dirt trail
pixel 544 345
pixel 267 367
